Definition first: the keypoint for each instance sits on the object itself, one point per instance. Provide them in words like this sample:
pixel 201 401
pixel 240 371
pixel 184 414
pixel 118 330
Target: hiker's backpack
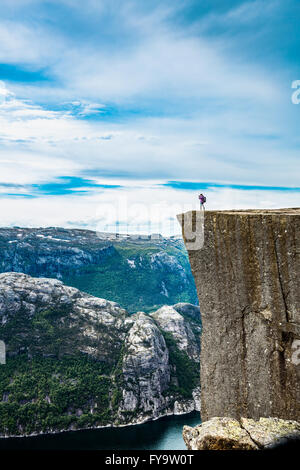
pixel 204 199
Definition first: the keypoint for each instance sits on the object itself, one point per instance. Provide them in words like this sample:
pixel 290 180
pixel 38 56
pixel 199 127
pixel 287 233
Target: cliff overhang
pixel 247 277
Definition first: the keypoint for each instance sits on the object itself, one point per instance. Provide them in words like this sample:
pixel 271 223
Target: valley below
pixel 78 361
pixel 140 273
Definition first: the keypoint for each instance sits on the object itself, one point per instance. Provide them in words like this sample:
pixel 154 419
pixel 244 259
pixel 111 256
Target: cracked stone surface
pixel 223 433
pixel 267 432
pixel 218 434
pixel 247 278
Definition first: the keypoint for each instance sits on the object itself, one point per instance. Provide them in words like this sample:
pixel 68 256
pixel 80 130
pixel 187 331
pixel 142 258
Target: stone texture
pixel 268 432
pixel 146 368
pixel 223 433
pixel 186 333
pixel 218 434
pixel 188 310
pixel 247 278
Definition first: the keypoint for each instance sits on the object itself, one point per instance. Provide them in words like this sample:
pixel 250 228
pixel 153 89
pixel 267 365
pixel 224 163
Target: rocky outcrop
pixel 142 366
pixel 247 278
pixel 31 308
pixel 246 434
pixel 164 261
pixel 186 330
pixel 188 310
pixel 146 368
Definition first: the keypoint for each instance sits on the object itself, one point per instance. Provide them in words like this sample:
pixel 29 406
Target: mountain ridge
pixel 141 273
pixel 76 361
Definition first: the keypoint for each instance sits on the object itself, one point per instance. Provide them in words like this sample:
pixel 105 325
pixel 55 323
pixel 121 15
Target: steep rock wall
pixel 247 278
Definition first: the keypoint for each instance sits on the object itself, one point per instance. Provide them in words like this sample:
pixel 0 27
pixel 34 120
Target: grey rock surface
pixel 268 432
pixel 184 329
pixel 188 310
pixel 247 278
pixel 223 433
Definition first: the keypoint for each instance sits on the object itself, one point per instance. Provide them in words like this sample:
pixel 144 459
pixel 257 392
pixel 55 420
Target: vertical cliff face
pixel 247 278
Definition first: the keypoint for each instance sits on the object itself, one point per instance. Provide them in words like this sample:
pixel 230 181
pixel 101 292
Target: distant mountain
pixel 76 361
pixel 140 273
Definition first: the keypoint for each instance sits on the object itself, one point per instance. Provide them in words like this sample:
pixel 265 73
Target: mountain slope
pixel 77 361
pixel 139 273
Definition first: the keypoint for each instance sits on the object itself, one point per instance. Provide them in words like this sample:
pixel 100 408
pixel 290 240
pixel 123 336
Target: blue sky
pixel 146 102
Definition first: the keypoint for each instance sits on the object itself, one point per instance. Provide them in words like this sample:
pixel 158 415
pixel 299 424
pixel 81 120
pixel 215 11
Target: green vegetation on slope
pixel 53 333
pixel 142 286
pixel 185 371
pixel 43 394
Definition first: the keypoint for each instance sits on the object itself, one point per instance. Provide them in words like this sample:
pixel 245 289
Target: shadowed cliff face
pixel 247 278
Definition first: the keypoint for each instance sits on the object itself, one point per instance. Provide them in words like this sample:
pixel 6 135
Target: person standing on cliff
pixel 202 200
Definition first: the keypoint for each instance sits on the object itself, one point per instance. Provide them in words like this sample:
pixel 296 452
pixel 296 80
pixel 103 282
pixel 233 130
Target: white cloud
pixel 146 57
pixel 18 167
pixel 136 209
pixel 220 117
pixel 251 11
pixel 215 146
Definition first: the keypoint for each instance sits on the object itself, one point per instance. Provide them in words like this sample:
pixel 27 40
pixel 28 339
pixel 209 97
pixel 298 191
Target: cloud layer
pixel 121 96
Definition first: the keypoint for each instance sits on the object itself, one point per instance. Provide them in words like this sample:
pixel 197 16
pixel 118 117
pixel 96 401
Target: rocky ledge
pixel 245 434
pixel 247 278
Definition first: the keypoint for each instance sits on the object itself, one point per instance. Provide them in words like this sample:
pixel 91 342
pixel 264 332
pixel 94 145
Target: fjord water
pixel 162 434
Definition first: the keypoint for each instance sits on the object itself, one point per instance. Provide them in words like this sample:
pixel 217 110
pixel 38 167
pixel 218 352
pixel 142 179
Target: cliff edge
pixel 247 277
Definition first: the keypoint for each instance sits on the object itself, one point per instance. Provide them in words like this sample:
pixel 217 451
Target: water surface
pixel 163 434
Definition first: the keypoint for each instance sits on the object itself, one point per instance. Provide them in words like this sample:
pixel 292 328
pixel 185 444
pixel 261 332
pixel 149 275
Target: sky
pixel 115 114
